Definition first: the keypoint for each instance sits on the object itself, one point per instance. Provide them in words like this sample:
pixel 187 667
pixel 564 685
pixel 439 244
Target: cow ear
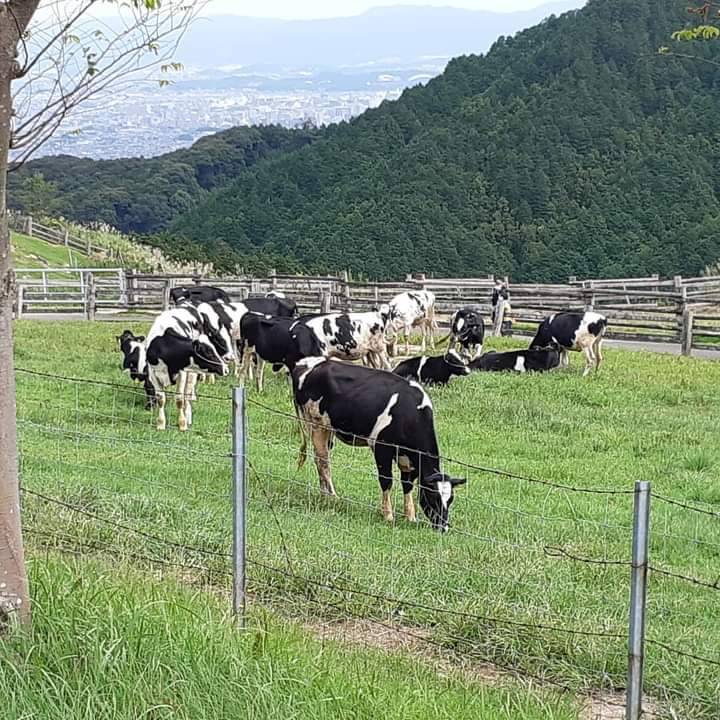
pixel 457 481
pixel 140 338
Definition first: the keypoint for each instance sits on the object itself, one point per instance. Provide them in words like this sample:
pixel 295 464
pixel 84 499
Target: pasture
pixel 532 576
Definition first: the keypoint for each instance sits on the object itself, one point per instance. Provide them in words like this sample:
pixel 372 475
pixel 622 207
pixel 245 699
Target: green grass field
pixel 30 252
pixel 110 644
pixel 502 586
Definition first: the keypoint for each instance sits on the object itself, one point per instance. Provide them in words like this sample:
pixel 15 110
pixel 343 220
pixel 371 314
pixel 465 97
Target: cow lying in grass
pixel 540 360
pixel 433 370
pixel 379 410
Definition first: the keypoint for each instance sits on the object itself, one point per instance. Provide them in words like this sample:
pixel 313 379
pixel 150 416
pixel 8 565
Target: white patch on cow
pixel 421 365
pixel 455 355
pixel 310 363
pixel 275 294
pixel 583 337
pixel 460 324
pixel 444 488
pixel 426 398
pixel 383 421
pixel 520 364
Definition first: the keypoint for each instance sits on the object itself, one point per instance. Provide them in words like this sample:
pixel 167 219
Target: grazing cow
pixel 388 414
pixel 468 330
pixel 433 370
pixel 175 359
pixel 197 294
pixel 207 346
pixel 409 310
pixel 536 360
pixel 578 331
pixel 348 336
pixel 133 349
pixel 269 339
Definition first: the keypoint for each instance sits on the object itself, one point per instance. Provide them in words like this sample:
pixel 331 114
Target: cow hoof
pixel 160 426
pixel 389 517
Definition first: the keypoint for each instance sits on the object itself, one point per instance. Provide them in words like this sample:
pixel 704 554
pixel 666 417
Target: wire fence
pixel 533 578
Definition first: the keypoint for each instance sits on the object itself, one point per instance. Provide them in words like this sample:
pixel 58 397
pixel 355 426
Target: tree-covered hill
pixel 573 148
pixel 143 195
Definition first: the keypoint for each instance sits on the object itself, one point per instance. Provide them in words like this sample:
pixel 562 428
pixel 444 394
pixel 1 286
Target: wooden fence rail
pixel 682 311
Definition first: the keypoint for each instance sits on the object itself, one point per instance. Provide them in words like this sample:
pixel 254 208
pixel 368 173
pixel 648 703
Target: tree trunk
pixel 14 597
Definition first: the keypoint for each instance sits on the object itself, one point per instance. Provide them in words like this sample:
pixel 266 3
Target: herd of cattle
pixel 373 404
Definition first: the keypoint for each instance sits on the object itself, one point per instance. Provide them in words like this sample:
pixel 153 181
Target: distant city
pixel 147 123
pixel 248 71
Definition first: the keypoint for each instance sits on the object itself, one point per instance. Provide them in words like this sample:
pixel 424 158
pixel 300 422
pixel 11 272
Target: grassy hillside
pixel 507 584
pixel 572 148
pixel 108 642
pixel 30 252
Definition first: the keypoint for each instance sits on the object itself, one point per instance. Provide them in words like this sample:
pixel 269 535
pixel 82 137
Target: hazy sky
pixel 335 8
pixel 306 9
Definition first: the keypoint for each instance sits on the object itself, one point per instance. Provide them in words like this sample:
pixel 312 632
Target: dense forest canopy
pixel 572 148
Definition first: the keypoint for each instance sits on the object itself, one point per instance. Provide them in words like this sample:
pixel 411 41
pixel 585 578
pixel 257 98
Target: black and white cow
pixel 348 336
pixel 521 361
pixel 270 340
pixel 578 331
pixel 408 310
pixel 382 411
pixel 467 329
pixel 197 294
pixel 174 359
pixel 132 348
pixel 182 342
pixel 433 370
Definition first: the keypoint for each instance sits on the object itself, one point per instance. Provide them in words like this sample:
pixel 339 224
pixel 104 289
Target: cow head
pixel 456 364
pixel 436 496
pixel 133 349
pixel 206 356
pixel 220 338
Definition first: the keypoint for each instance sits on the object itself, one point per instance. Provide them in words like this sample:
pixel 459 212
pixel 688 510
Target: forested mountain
pixel 572 148
pixel 144 195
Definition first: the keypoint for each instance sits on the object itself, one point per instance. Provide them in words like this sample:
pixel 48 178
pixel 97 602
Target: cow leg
pixel 384 460
pixel 321 444
pixel 190 396
pixel 260 374
pixel 409 506
pixel 431 333
pixel 408 330
pixel 589 359
pixel 598 353
pixel 564 358
pixel 180 400
pixel 162 419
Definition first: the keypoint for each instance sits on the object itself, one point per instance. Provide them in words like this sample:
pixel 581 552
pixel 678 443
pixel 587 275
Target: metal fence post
pixel 638 595
pixel 239 501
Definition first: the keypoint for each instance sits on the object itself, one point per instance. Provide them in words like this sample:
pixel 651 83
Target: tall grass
pixel 108 643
